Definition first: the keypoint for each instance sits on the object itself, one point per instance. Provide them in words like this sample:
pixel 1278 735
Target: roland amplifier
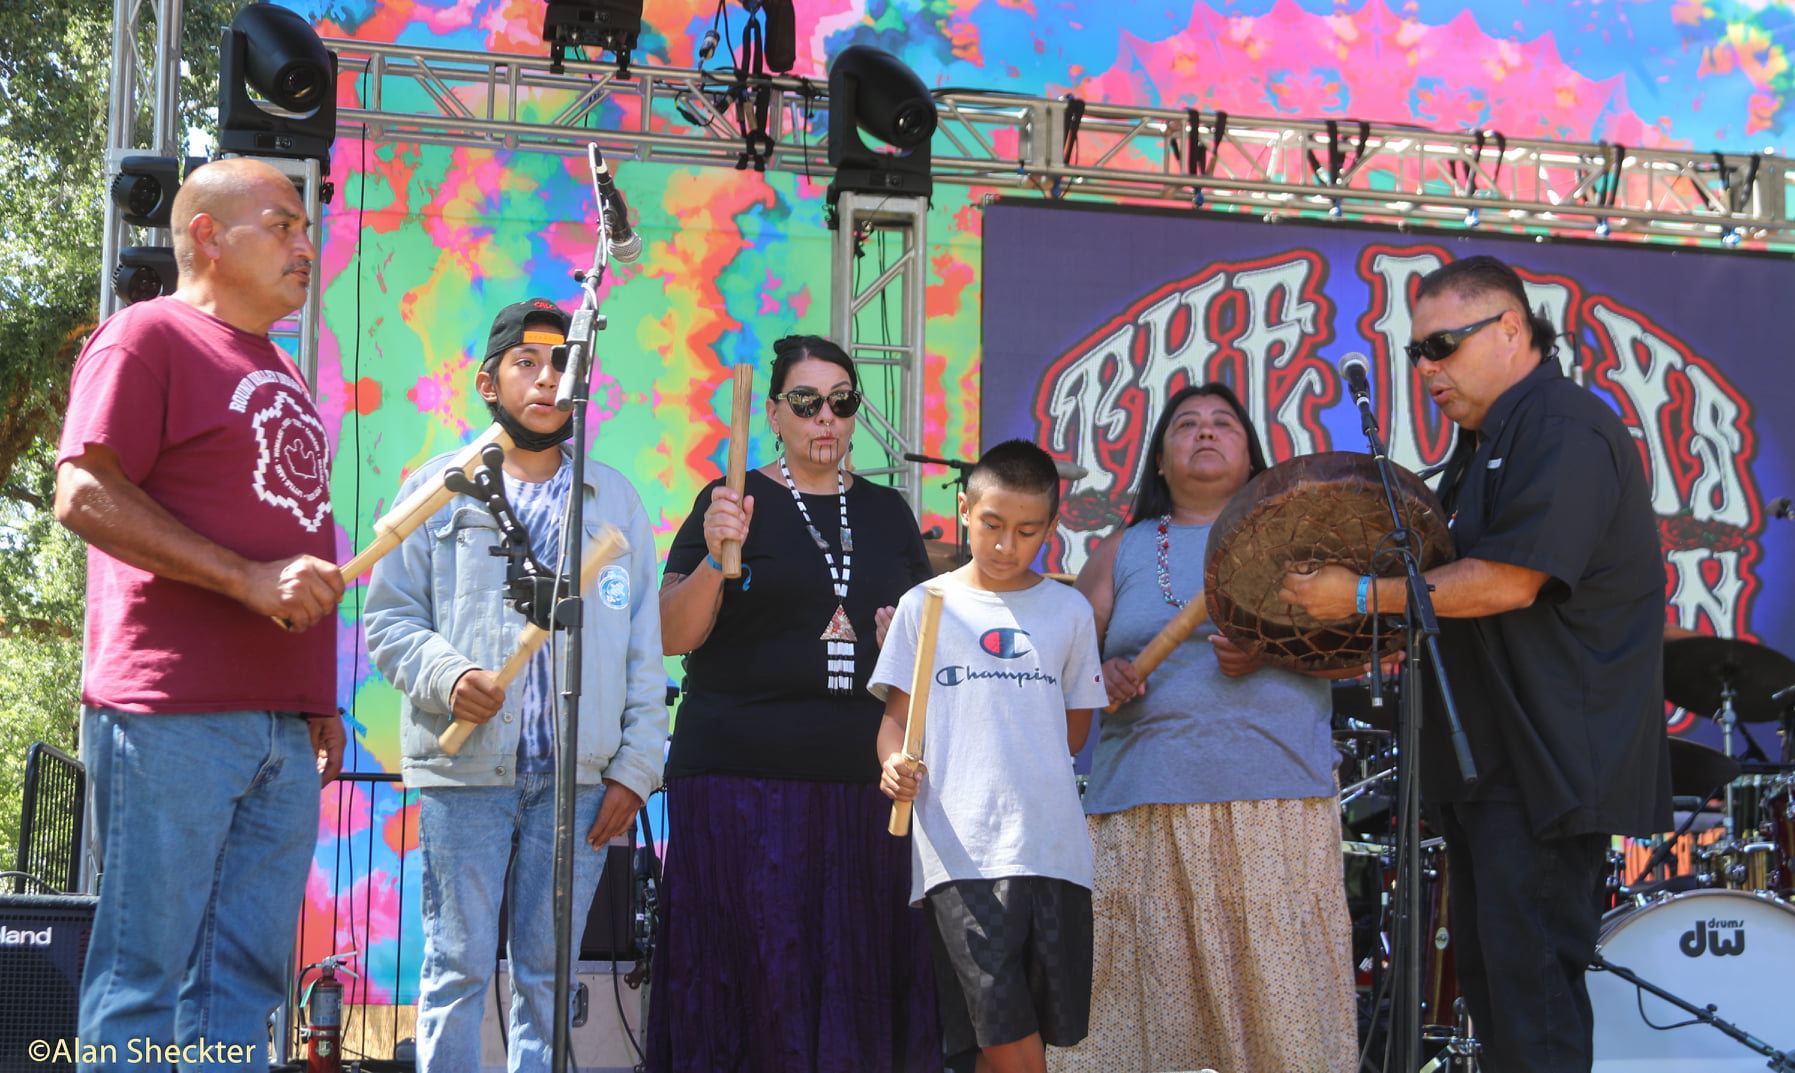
pixel 43 942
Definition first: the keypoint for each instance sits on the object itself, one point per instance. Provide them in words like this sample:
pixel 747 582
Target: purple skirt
pixel 786 941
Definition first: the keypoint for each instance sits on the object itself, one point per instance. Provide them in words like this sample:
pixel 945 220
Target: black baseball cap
pixel 535 320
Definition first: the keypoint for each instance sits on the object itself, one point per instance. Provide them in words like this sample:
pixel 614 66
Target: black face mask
pixel 523 437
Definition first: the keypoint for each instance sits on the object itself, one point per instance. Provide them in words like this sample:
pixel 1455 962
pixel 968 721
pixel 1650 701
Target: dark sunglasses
pixel 806 402
pixel 1440 345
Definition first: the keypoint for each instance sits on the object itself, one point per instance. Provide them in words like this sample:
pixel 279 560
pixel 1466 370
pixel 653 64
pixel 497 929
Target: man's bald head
pixel 243 244
pixel 223 190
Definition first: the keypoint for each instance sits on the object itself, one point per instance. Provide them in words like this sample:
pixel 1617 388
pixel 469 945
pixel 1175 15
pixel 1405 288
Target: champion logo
pixel 1005 642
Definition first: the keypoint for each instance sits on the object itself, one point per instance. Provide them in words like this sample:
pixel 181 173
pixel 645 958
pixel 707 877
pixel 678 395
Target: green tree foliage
pixel 55 70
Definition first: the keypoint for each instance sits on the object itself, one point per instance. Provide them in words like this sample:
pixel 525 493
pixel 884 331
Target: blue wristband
pixel 1364 588
pixel 718 567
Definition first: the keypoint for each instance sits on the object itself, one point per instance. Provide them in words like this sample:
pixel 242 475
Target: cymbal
pixel 1695 668
pixel 1696 770
pixel 944 555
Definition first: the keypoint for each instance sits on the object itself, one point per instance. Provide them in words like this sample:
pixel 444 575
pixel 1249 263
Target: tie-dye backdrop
pixel 424 244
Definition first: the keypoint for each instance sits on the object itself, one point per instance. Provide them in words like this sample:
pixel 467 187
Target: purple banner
pixel 1094 316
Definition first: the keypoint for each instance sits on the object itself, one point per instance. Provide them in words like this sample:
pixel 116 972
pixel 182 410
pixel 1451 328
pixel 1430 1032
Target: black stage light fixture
pixel 275 52
pixel 611 25
pixel 782 32
pixel 144 189
pixel 871 90
pixel 144 272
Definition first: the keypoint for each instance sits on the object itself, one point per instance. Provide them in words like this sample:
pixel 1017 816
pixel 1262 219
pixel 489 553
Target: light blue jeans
pixel 207 825
pixel 468 835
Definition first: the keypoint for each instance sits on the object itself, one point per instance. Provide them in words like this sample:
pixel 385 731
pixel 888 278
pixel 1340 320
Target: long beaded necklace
pixel 1164 566
pixel 839 635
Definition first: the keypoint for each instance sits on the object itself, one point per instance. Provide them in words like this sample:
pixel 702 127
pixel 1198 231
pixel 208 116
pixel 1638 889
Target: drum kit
pixel 1698 927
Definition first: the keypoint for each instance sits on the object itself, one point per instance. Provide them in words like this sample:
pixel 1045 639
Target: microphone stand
pixel 1422 645
pixel 962 549
pixel 570 616
pixel 1780 1061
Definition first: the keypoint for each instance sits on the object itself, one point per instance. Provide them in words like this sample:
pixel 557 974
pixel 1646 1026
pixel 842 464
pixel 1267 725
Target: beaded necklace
pixel 839 634
pixel 1165 567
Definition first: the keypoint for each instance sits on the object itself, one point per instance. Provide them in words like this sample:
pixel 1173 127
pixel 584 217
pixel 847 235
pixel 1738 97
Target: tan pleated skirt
pixel 1222 942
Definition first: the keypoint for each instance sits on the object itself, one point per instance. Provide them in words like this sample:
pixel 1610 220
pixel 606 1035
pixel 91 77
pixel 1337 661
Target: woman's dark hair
pixel 1484 274
pixel 793 349
pixel 1154 497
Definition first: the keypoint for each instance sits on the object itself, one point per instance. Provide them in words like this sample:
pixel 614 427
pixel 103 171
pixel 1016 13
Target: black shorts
pixel 1012 958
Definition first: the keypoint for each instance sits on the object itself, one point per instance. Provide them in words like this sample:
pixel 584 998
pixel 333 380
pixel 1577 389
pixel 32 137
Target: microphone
pixel 1780 508
pixel 1357 374
pixel 626 245
pixel 963 467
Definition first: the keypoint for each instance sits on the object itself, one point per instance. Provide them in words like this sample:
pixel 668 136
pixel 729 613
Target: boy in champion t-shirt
pixel 1002 860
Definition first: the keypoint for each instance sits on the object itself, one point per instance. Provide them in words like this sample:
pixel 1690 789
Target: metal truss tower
pixel 137 77
pixel 156 76
pixel 891 364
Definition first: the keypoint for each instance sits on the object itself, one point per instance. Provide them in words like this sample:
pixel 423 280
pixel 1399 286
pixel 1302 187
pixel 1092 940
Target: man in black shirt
pixel 1551 632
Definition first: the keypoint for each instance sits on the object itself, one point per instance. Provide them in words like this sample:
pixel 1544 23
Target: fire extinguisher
pixel 323 1004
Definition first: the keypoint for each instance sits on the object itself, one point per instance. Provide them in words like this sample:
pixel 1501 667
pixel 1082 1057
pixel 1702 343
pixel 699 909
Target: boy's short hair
pixel 1019 466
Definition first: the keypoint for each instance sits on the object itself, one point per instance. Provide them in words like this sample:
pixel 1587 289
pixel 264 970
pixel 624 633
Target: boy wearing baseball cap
pixel 439 629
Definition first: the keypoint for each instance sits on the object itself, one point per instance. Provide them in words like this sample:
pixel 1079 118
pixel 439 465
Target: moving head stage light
pixel 273 51
pixel 872 91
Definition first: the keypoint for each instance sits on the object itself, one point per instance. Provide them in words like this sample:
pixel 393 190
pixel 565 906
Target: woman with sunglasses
pixel 786 940
pixel 1222 934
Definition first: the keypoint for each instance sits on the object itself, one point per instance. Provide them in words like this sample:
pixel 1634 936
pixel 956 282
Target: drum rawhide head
pixel 1301 514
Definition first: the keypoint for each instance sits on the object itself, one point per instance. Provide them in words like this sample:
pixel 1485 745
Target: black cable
pixel 616 984
pixel 49 887
pixel 1639 1000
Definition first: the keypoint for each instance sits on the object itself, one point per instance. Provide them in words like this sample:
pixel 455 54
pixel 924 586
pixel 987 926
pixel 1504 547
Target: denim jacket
pixel 436 609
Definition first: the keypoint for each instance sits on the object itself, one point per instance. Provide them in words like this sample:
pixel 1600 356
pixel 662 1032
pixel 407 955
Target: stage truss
pixel 1089 150
pixel 999 143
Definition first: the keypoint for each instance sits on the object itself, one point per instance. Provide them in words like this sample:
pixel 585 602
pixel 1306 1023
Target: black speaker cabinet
pixel 43 942
pixel 609 923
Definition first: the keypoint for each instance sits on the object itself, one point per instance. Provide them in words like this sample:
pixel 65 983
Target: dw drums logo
pixel 1705 938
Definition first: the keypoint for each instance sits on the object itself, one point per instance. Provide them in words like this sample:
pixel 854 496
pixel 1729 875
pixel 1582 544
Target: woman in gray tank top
pixel 1222 935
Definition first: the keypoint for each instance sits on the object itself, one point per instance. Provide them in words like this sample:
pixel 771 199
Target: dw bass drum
pixel 1732 949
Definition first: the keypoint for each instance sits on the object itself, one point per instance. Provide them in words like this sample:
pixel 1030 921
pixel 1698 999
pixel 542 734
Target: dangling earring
pixel 778 442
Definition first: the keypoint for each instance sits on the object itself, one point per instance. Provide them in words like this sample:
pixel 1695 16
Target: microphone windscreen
pixel 628 250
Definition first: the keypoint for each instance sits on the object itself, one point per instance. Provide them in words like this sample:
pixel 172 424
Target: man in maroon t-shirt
pixel 195 466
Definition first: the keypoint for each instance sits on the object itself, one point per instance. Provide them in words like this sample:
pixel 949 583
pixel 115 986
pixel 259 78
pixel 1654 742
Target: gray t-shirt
pixel 999 797
pixel 1196 735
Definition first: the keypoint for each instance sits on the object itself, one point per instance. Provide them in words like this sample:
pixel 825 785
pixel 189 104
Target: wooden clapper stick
pixel 397 524
pixel 920 678
pixel 1189 617
pixel 607 545
pixel 740 410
